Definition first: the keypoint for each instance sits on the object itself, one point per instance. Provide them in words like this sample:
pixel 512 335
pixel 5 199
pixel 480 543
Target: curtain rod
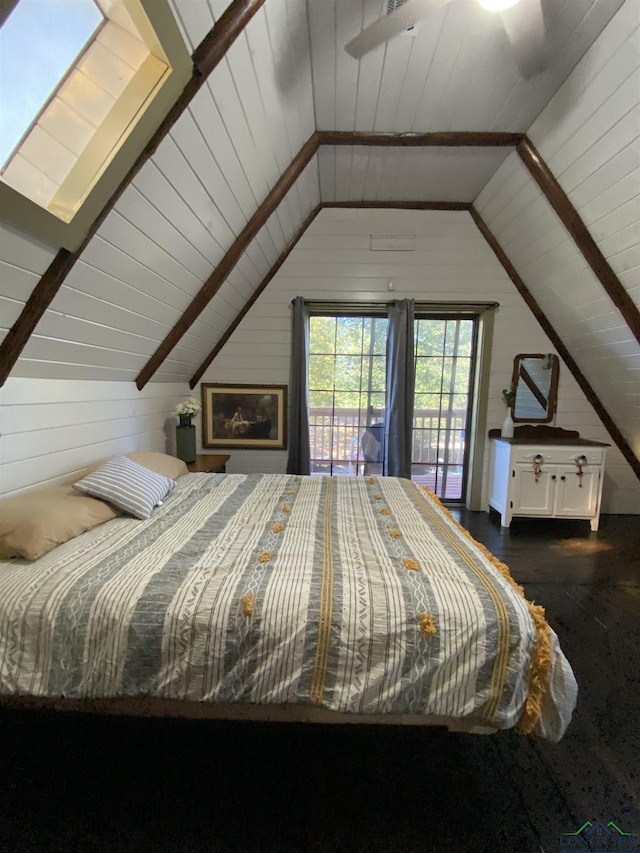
pixel 420 307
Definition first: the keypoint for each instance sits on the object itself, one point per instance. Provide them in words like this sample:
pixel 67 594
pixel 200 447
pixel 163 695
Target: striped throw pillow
pixel 127 485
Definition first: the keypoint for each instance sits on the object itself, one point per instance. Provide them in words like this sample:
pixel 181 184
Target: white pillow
pixel 127 485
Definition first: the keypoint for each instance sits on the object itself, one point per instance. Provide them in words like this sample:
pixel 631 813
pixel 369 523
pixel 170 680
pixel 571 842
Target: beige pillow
pixel 34 523
pixel 161 463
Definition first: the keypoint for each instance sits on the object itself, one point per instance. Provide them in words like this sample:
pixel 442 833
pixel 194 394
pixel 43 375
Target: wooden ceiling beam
pixel 400 205
pixel 254 296
pixel 563 352
pixel 231 258
pixel 450 139
pixel 222 35
pixel 206 56
pixel 571 220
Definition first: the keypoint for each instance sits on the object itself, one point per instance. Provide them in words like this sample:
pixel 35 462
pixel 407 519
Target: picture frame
pixel 244 416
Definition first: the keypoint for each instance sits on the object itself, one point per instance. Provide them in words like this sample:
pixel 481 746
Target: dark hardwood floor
pixel 88 783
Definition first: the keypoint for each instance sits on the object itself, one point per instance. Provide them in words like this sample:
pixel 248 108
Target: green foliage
pixel 348 357
pixel 509 396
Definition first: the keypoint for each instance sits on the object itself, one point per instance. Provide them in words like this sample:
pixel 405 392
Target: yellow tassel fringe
pixel 384 511
pixel 542 654
pixel 394 533
pixel 278 527
pixel 427 624
pixel 286 508
pixel 264 557
pixel 411 564
pixel 248 603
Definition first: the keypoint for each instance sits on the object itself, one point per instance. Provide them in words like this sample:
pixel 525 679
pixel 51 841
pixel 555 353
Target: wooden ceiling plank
pixel 571 220
pixel 206 56
pixel 41 296
pixel 564 353
pixel 254 296
pixel 231 258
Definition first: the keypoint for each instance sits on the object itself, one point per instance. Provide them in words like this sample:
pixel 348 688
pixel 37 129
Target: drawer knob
pixel 553 476
pixel 563 477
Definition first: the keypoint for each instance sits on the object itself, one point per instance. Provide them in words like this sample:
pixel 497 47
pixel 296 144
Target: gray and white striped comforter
pixel 357 595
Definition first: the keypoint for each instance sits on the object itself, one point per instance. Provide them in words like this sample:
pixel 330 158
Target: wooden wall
pixel 451 262
pixel 589 135
pixel 179 216
pixel 52 428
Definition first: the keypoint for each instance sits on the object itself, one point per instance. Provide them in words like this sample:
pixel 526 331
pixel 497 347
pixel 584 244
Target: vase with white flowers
pixel 507 428
pixel 186 431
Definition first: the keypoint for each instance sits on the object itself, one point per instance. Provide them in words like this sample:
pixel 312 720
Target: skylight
pixel 39 42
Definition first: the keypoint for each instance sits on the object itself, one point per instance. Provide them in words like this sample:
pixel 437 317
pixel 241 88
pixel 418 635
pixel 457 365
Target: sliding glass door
pixel 347 397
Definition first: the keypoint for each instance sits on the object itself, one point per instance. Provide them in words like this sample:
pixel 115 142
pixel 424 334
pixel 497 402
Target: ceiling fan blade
pixel 392 25
pixel 524 26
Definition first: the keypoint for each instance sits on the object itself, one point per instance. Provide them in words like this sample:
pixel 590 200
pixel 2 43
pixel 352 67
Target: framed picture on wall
pixel 244 416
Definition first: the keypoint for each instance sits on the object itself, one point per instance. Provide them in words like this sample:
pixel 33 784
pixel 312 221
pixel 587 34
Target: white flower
pixel 190 407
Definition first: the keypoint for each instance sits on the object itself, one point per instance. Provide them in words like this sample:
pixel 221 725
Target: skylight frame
pixel 164 39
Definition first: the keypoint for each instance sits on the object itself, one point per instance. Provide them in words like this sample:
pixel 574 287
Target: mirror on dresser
pixel 535 379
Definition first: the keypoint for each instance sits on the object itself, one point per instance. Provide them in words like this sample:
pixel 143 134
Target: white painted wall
pixel 50 429
pixel 589 134
pixel 452 261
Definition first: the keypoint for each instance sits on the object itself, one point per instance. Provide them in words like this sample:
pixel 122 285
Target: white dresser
pixel 548 477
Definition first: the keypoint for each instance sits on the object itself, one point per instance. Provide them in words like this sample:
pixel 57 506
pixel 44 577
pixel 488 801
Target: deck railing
pixel 438 438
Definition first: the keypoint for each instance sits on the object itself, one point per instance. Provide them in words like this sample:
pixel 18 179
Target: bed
pixel 345 599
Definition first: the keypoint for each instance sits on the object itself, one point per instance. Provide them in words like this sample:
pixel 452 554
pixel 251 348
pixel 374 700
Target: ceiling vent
pixel 392 243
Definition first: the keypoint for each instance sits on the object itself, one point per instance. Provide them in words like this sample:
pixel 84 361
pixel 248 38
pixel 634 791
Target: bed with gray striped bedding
pixel 354 595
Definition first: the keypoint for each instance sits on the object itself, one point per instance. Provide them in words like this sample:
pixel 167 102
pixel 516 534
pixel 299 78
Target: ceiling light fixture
pixel 497 5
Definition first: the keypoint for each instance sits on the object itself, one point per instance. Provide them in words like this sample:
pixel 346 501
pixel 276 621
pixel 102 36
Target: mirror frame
pixel 553 388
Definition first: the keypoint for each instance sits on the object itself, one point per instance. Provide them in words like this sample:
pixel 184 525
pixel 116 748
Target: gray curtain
pixel 299 459
pixel 400 388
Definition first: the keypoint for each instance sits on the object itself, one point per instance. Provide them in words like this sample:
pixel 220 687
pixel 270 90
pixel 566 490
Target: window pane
pixel 430 337
pixel 348 372
pixel 349 335
pixel 346 400
pixel 322 333
pixel 321 399
pixel 428 374
pixel 39 42
pixel 321 372
pixel 466 338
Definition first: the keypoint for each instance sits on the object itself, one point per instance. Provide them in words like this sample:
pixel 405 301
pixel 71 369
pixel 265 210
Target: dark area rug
pixel 78 782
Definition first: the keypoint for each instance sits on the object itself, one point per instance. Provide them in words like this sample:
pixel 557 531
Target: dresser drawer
pixel 558 455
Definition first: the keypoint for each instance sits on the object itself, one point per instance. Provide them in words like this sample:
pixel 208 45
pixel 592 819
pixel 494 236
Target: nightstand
pixel 209 463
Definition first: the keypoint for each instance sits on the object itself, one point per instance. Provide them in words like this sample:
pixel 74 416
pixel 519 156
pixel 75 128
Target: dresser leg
pixel 595 522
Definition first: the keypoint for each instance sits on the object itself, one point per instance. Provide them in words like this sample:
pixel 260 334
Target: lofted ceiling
pixel 190 225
